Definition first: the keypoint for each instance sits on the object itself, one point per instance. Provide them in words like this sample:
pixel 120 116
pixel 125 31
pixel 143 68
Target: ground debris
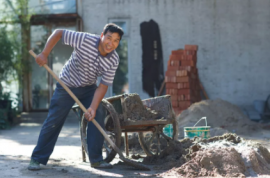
pixel 214 162
pixel 231 137
pixel 171 155
pixel 222 156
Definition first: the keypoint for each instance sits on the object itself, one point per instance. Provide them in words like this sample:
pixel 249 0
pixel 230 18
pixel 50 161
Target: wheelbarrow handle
pixel 78 102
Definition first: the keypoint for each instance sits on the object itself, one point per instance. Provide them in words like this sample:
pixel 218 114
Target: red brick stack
pixel 182 78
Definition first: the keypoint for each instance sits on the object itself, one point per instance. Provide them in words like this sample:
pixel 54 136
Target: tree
pixel 19 39
pixel 6 55
pixel 7 65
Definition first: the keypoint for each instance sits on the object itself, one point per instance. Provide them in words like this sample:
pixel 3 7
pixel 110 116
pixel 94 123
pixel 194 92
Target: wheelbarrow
pixel 151 134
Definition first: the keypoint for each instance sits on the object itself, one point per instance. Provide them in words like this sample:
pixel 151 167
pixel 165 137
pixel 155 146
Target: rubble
pixel 228 156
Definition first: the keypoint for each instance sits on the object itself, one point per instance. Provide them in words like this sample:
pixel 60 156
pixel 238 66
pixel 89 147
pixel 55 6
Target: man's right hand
pixel 41 59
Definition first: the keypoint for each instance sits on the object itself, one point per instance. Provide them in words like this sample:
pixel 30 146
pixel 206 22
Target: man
pixel 93 56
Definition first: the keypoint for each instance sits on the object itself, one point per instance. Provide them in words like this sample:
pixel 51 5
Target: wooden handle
pixel 161 88
pixel 78 102
pixel 61 83
pixel 203 90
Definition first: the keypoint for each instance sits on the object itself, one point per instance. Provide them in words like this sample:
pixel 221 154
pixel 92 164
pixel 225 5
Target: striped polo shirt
pixel 86 63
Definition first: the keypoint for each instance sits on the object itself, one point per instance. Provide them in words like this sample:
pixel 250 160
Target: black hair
pixel 113 28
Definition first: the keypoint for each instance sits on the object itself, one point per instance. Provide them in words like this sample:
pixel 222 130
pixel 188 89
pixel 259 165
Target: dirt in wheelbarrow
pixel 228 156
pixel 135 110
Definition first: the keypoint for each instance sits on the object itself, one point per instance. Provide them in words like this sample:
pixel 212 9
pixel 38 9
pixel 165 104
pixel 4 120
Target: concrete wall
pixel 233 38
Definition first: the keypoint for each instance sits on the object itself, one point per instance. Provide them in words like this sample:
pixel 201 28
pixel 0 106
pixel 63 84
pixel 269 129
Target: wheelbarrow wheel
pixel 153 143
pixel 111 127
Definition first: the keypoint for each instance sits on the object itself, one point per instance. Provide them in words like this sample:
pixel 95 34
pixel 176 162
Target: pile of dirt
pixel 214 162
pixel 221 115
pixel 228 155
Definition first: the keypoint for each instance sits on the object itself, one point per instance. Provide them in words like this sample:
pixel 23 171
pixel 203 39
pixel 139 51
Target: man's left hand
pixel 90 115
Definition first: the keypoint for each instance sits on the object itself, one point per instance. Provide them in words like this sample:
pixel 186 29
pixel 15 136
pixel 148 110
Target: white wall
pixel 233 38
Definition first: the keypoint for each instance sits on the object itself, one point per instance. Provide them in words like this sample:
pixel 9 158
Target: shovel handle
pixel 79 103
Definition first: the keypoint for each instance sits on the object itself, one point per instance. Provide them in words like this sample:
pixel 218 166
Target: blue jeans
pixel 60 105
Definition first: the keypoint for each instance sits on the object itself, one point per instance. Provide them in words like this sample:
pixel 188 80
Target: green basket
pixel 202 131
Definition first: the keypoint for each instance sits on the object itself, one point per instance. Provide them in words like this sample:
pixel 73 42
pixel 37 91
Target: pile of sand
pixel 228 156
pixel 213 162
pixel 221 115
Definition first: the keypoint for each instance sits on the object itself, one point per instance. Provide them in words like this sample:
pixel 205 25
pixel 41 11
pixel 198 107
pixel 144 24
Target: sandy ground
pixel 16 146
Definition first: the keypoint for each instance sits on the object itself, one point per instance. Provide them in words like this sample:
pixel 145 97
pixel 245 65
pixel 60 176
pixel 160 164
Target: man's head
pixel 110 38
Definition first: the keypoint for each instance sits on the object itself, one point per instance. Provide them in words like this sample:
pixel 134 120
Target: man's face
pixel 109 41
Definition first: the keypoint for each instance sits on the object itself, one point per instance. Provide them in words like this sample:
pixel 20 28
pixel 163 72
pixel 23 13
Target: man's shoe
pixel 102 165
pixel 34 165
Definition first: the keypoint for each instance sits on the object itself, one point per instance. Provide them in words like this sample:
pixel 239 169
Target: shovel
pixel 116 149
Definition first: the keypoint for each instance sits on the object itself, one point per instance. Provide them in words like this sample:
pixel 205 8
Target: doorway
pixel 42 83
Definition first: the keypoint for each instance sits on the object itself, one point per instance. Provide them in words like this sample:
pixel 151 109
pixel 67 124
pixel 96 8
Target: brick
pixel 181 97
pixel 187 63
pixel 190 52
pixel 186 85
pixel 174 57
pixel 178 57
pixel 186 97
pixel 177 79
pixel 174 103
pixel 184 91
pixel 171 91
pixel 181 73
pixel 181 85
pixel 191 47
pixel 183 104
pixel 183 79
pixel 171 85
pixel 178 52
pixel 170 73
pixel 172 68
pixel 174 98
pixel 191 57
pixel 188 68
pixel 168 79
pixel 175 62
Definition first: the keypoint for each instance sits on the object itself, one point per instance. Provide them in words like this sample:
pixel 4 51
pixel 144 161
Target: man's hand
pixel 99 94
pixel 90 115
pixel 41 59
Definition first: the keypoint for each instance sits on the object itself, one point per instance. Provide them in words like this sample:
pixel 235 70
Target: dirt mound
pixel 228 155
pixel 219 114
pixel 214 162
